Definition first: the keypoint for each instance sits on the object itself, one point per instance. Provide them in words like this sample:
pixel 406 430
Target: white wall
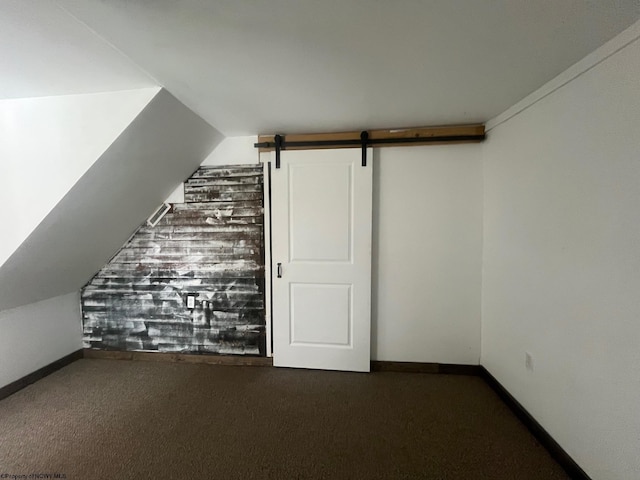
pixel 46 51
pixel 234 151
pixel 562 259
pixel 38 334
pixel 46 144
pixel 427 247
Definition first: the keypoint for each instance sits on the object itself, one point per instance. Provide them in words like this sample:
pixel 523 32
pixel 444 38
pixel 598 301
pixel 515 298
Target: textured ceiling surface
pixel 44 51
pixel 255 66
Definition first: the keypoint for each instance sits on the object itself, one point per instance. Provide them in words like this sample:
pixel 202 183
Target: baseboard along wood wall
pixel 238 360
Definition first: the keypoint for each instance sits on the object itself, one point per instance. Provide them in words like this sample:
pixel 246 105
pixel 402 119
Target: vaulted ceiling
pixel 255 66
pixel 44 51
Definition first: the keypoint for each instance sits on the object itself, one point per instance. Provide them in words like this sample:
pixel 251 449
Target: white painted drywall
pixel 426 255
pixel 294 66
pixel 561 262
pixel 177 196
pixel 162 147
pixel 234 151
pixel 45 51
pixel 47 144
pixel 38 334
pixel 427 247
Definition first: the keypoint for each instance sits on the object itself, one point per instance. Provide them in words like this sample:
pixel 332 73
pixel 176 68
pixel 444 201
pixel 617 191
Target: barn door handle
pixel 279 270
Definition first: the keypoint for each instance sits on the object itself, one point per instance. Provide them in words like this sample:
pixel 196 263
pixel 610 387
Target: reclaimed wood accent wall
pixel 210 247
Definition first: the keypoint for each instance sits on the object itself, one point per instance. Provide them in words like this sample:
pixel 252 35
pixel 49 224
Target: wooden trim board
pixel 376 366
pixel 179 358
pixel 428 133
pixel 415 367
pixel 33 377
pixel 555 450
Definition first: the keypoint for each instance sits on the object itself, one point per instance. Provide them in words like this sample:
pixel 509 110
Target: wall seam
pixel 583 66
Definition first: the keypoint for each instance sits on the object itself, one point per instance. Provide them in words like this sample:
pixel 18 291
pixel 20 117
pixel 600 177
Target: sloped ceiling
pixel 163 145
pixel 47 144
pixel 44 51
pixel 255 66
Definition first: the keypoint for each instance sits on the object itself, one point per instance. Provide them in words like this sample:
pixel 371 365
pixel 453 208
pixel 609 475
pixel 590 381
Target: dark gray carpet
pixel 103 419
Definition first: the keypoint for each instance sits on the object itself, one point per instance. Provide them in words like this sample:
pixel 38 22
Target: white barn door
pixel 321 243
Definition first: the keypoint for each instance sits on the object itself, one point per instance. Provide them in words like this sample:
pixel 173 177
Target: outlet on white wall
pixel 528 361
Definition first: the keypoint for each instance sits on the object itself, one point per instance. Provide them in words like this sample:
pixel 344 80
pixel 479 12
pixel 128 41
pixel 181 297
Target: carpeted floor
pixel 105 419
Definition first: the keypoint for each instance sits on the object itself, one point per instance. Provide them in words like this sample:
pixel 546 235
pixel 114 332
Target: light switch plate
pixel 191 301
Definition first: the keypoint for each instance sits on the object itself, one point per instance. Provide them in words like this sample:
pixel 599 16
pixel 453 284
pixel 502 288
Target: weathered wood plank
pixel 227 172
pixel 222 196
pixel 232 306
pixel 186 266
pixel 200 275
pixel 220 169
pixel 206 207
pixel 218 188
pixel 244 180
pixel 235 235
pixel 110 293
pixel 228 298
pixel 213 219
pixel 155 283
pixel 177 358
pixel 167 260
pixel 103 319
pixel 156 340
pixel 138 252
pixel 448 134
pixel 202 228
pixel 161 305
pixel 199 243
pixel 211 248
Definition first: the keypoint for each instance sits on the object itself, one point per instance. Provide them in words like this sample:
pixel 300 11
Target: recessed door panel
pixel 321 214
pixel 321 314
